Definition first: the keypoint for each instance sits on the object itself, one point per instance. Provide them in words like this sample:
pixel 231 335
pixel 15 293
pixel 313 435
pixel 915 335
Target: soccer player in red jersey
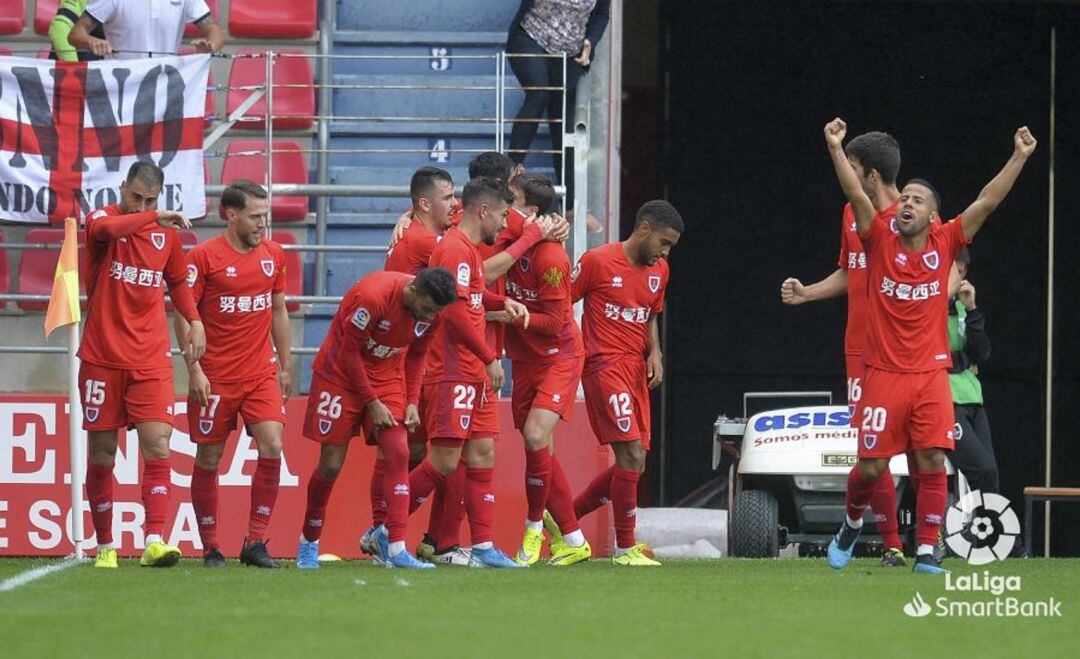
pixel 367 377
pixel 238 282
pixel 906 403
pixel 547 360
pixel 125 378
pixel 623 287
pixel 458 417
pixel 433 205
pixel 875 156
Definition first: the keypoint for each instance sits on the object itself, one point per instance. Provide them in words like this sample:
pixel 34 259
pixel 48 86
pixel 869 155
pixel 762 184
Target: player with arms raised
pixel 623 286
pixel 126 377
pixel 238 281
pixel 906 403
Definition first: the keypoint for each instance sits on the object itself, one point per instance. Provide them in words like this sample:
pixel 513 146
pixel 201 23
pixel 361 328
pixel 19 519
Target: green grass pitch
pixel 738 608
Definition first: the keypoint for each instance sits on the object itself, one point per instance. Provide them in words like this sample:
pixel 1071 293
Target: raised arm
pixel 999 186
pixel 835 131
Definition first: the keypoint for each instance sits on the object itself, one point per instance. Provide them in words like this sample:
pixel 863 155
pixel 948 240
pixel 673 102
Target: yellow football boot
pixel 106 557
pixel 159 554
pixel 529 552
pixel 563 555
pixel 635 557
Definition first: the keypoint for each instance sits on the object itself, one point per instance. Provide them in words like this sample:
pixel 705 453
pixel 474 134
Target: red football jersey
pixel 412 253
pixel 541 281
pixel 908 299
pixel 126 326
pixel 449 359
pixel 620 298
pixel 372 320
pixel 495 334
pixel 853 261
pixel 233 291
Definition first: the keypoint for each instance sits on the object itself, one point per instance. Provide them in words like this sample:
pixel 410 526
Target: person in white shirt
pixel 144 28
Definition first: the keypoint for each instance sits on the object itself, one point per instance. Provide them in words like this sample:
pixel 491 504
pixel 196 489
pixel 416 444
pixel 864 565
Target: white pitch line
pixel 24 578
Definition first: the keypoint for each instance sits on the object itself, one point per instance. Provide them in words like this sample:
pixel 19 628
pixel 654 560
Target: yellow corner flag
pixel 64 301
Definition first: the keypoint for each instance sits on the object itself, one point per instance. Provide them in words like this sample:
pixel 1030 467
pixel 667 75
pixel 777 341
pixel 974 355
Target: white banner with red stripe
pixel 69 132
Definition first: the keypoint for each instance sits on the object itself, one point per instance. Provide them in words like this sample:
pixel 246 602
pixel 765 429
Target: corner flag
pixel 64 301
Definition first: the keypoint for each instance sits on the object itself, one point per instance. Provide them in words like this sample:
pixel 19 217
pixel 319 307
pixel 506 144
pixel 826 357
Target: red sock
pixel 452 512
pixel 561 499
pixel 204 498
pixel 479 502
pixel 378 501
pixel 422 481
pixel 859 491
pixel 597 494
pixel 624 483
pixel 537 482
pixel 155 494
pixel 264 490
pixel 318 493
pixel 883 503
pixel 394 444
pixel 930 507
pixel 99 490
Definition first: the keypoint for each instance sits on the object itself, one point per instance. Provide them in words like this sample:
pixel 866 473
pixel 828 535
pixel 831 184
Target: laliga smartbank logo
pixel 982 528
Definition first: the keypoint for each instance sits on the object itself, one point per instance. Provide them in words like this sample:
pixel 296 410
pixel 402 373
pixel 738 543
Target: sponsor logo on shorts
pixel 654 283
pixel 931 259
pixel 623 422
pixel 206 426
pixel 361 318
pixel 267 267
pixel 464 274
pixel 325 425
pixel 91 413
pixel 869 441
pixel 158 239
pixel 489 498
pixel 556 398
pixel 420 327
pixel 957 432
pixel 466 419
pixel 192 274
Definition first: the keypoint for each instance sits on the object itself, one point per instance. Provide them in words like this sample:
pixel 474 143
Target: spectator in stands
pixel 67 14
pixel 145 28
pixel 552 27
pixel 970 345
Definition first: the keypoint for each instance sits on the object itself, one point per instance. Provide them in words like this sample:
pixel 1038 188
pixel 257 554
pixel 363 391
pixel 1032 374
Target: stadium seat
pixel 289 167
pixel 5 51
pixel 293 106
pixel 3 272
pixel 12 16
pixel 192 31
pixel 44 11
pixel 272 19
pixel 294 269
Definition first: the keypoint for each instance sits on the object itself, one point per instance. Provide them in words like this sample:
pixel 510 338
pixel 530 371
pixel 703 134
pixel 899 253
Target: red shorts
pixel 455 412
pixel 334 414
pixel 617 400
pixel 548 385
pixel 901 412
pixel 256 400
pixel 855 367
pixel 116 398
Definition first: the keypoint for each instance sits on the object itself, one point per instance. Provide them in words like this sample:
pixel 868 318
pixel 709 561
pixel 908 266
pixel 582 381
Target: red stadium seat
pixel 3 272
pixel 5 51
pixel 192 31
pixel 12 16
pixel 44 11
pixel 272 19
pixel 294 269
pixel 289 167
pixel 37 270
pixel 294 107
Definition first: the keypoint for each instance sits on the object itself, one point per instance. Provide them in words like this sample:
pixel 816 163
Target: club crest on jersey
pixel 464 273
pixel 91 413
pixel 466 419
pixel 524 262
pixel 158 239
pixel 268 267
pixel 931 259
pixel 624 423
pixel 325 425
pixel 192 274
pixel 420 327
pixel 361 318
pixel 869 441
pixel 957 433
pixel 206 426
pixel 654 283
